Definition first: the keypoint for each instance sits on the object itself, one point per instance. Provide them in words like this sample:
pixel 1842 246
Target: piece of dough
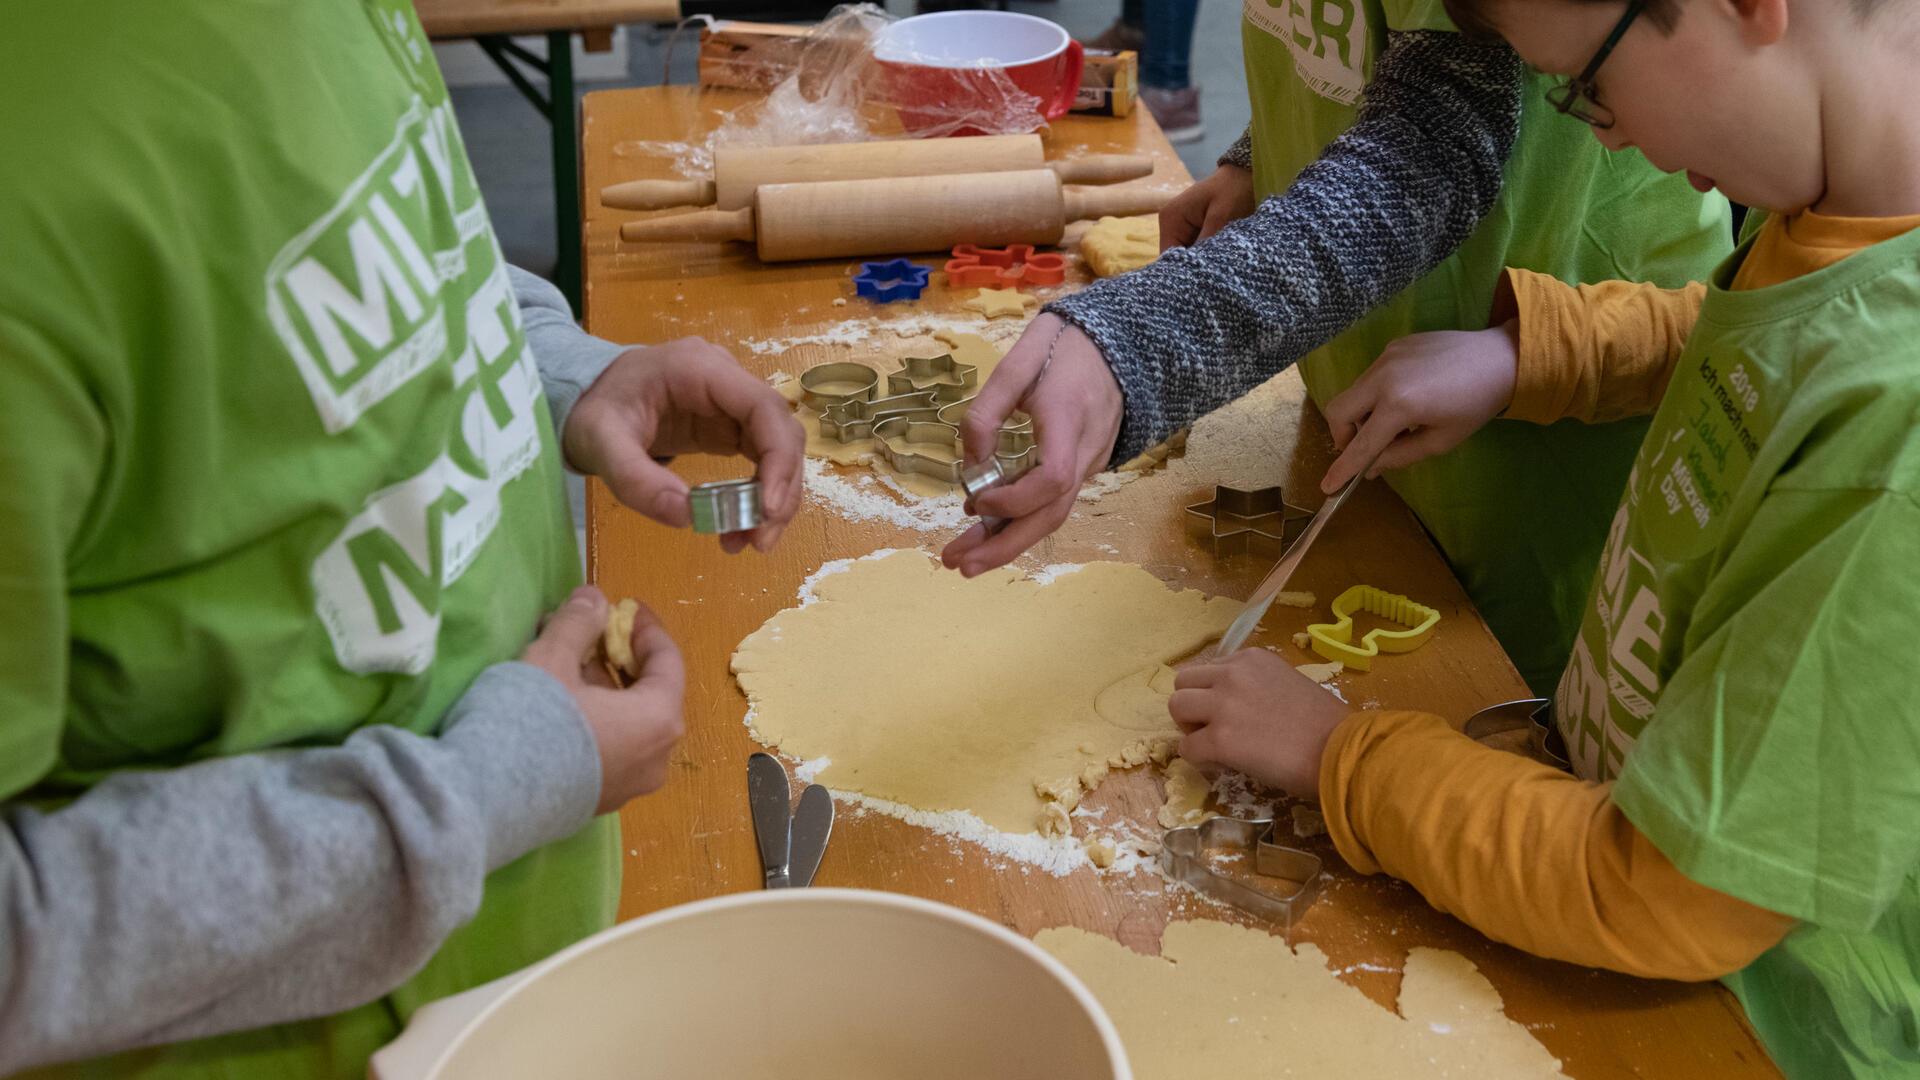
pixel 617 639
pixel 1138 702
pixel 1116 245
pixel 1101 851
pixel 1225 1000
pixel 1294 599
pixel 1321 673
pixel 1186 792
pixel 1307 821
pixel 998 303
pixel 1303 640
pixel 939 693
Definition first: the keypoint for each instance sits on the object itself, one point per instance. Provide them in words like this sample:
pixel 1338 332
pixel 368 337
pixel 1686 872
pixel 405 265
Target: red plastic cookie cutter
pixel 1006 267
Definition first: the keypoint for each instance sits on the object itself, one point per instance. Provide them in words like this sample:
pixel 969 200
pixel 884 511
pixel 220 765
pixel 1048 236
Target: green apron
pixel 1520 510
pixel 318 486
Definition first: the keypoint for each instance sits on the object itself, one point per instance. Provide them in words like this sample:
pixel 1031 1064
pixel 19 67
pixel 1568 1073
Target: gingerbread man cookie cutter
pixel 895 439
pixel 1007 267
pixel 1185 856
pixel 1334 640
pixel 1238 519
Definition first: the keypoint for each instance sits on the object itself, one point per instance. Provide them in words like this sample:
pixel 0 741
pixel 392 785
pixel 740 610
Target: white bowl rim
pixel 1109 1035
pixel 936 16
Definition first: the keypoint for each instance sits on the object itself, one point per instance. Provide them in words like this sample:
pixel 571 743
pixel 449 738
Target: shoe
pixel 1176 111
pixel 1119 37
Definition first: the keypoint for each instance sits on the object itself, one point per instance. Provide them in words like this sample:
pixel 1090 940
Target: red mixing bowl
pixel 933 68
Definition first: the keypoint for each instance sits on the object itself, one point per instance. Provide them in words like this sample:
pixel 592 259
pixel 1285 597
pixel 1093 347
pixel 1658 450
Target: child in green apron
pixel 1738 706
pixel 1396 167
pixel 281 439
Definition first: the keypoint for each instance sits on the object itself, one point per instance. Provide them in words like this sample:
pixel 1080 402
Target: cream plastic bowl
pixel 793 983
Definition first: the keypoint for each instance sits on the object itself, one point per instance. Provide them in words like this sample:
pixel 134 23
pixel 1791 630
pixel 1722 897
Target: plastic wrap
pixel 850 80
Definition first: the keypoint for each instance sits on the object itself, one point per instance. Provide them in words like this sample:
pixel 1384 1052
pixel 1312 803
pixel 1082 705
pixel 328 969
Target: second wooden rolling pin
pixel 738 170
pixel 903 214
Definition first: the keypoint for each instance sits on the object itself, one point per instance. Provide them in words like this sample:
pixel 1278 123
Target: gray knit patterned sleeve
pixel 1240 154
pixel 1385 202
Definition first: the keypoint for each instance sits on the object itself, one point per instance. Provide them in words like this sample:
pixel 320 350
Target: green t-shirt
pixel 1518 509
pixel 277 460
pixel 1744 671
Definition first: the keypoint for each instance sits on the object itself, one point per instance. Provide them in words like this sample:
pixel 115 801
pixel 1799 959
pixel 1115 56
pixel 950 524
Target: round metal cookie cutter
pixel 725 506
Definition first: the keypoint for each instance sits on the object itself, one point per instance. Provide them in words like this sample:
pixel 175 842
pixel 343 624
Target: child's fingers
pixel 1417 446
pixel 1373 439
pixel 1190 709
pixel 645 485
pixel 1202 745
pixel 1196 676
pixel 571 633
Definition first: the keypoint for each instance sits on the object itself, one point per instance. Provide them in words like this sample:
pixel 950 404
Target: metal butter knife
pixel 791 841
pixel 1276 579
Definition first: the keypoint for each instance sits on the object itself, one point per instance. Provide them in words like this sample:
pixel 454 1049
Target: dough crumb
pixel 1134 753
pixel 1054 821
pixel 618 639
pixel 1091 776
pixel 1163 749
pixel 1101 851
pixel 1307 821
pixel 1294 599
pixel 839 301
pixel 1303 640
pixel 1320 673
pixel 1065 791
pixel 1186 793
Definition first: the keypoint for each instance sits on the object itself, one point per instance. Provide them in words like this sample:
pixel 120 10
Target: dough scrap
pixel 1225 1000
pixel 1308 821
pixel 995 303
pixel 1116 245
pixel 1186 791
pixel 1054 821
pixel 1294 599
pixel 1101 851
pixel 940 693
pixel 1303 640
pixel 1321 673
pixel 617 639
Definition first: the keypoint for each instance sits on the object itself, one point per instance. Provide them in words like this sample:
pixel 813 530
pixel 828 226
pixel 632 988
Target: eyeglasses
pixel 1575 97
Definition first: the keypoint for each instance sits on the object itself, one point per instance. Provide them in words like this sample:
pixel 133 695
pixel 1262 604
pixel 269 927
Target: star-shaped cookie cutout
pixel 993 303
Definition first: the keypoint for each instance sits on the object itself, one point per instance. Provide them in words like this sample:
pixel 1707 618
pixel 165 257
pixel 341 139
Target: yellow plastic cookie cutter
pixel 1334 640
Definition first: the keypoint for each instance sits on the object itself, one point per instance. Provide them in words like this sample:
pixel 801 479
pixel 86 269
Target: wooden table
pixel 694 839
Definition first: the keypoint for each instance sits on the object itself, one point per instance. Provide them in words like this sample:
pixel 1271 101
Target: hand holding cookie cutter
pixel 1183 856
pixel 1334 640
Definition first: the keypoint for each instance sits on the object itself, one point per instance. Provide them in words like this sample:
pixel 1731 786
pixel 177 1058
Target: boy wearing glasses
pixel 1397 166
pixel 1739 703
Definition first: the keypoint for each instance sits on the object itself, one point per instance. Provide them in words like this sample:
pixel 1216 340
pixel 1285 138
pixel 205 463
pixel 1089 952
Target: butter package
pixel 1109 83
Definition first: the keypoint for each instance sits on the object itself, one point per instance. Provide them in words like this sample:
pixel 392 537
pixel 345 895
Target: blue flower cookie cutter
pixel 895 279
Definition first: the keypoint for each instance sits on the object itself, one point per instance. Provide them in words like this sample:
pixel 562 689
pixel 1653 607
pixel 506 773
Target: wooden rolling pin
pixel 739 170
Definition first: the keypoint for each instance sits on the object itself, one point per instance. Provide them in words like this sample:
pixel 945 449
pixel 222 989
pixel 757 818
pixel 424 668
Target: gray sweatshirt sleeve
pixel 274 886
pixel 1240 154
pixel 569 358
pixel 1385 202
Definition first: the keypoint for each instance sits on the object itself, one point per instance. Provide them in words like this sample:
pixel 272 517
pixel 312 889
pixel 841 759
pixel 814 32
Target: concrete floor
pixel 507 139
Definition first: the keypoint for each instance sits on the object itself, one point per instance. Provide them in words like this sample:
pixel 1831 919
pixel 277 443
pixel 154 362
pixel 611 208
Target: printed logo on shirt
pixel 379 584
pixel 357 297
pixel 1328 40
pixel 1699 450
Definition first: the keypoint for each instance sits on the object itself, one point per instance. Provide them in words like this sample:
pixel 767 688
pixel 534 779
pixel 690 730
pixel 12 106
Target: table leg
pixel 566 163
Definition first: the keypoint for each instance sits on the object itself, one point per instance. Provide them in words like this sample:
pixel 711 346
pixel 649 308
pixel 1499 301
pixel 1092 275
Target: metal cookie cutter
pixel 1237 519
pixel 828 384
pixel 1183 856
pixel 947 377
pixel 1334 640
pixel 955 413
pixel 895 438
pixel 990 474
pixel 1525 727
pixel 851 420
pixel 894 279
pixel 725 506
pixel 1015 264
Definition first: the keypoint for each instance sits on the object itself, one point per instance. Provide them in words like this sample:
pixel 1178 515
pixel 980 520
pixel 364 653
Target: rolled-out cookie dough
pixel 1225 1000
pixel 940 693
pixel 1116 245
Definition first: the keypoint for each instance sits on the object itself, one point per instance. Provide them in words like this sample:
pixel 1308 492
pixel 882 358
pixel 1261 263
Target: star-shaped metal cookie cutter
pixel 1015 264
pixel 1259 520
pixel 1184 856
pixel 948 378
pixel 894 279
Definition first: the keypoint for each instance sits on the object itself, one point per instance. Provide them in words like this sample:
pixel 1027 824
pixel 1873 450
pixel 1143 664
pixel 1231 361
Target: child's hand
pixel 1252 712
pixel 1206 207
pixel 634 728
pixel 1075 405
pixel 1424 396
pixel 686 396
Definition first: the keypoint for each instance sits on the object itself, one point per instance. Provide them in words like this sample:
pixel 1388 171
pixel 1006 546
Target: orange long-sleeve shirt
pixel 1527 854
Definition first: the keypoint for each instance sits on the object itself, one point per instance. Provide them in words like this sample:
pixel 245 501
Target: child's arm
pixel 570 359
pixel 1593 353
pixel 1525 853
pixel 1386 201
